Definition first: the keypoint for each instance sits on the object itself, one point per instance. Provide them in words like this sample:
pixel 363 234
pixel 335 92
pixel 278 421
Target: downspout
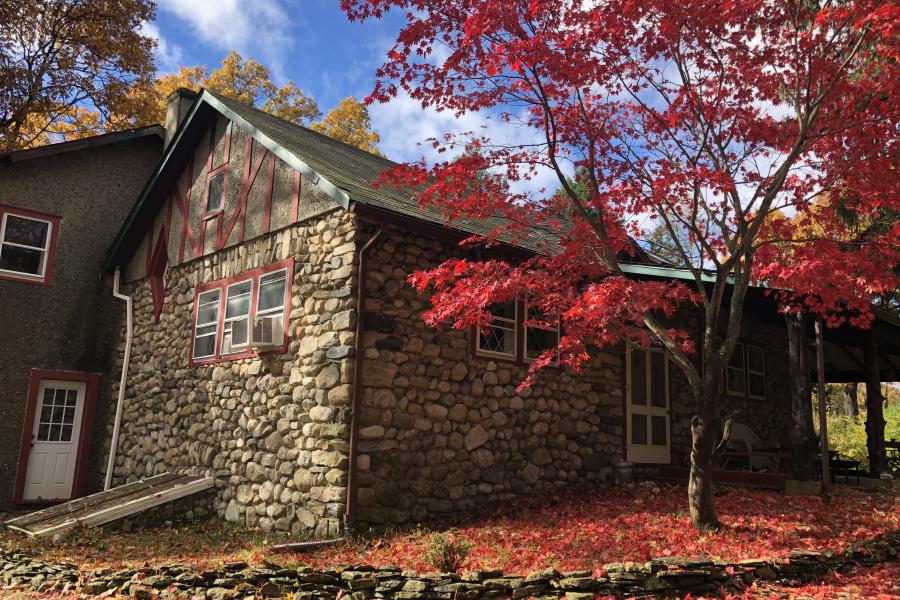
pixel 129 334
pixel 359 355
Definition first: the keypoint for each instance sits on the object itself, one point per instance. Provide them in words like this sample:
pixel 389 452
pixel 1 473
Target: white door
pixel 647 399
pixel 54 440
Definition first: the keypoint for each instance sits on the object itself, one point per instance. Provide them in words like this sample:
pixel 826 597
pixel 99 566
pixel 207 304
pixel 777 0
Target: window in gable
pixel 215 193
pixel 27 241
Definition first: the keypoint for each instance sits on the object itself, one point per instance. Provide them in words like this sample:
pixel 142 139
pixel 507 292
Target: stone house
pixel 271 341
pixel 56 315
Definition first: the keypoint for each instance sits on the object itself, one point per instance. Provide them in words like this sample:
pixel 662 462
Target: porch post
pixel 802 435
pixel 823 418
pixel 874 409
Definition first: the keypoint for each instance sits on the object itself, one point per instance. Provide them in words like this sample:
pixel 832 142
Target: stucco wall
pixel 272 431
pixel 68 325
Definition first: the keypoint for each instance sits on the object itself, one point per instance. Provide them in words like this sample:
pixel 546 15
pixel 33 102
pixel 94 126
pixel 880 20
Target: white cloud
pixel 404 127
pixel 168 55
pixel 259 29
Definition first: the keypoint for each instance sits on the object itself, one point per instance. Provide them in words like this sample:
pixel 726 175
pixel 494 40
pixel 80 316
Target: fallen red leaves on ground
pixel 588 529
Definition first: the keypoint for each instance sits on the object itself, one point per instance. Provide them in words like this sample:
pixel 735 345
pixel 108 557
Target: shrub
pixel 446 552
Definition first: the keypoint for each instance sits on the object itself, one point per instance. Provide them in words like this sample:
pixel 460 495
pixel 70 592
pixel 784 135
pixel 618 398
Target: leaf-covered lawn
pixel 568 531
pixel 637 523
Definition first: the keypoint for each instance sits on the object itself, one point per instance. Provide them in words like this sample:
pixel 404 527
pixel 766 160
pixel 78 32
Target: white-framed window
pixel 271 297
pixel 215 192
pixel 736 373
pixel 206 331
pixel 756 372
pixel 538 338
pixel 501 336
pixel 235 326
pixel 745 374
pixel 25 243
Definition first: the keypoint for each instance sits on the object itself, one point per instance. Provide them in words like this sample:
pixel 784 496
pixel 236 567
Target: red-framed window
pixel 217 175
pixel 225 312
pixel 27 244
pixel 518 332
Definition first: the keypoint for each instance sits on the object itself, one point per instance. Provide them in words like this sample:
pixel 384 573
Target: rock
pixel 541 457
pixel 475 438
pixel 436 411
pixel 232 512
pixel 372 432
pixel 328 377
pixel 531 473
pixel 482 458
pixel 459 371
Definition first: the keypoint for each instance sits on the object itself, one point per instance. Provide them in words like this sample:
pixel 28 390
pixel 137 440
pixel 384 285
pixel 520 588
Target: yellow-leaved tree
pixel 349 122
pixel 68 66
pixel 245 80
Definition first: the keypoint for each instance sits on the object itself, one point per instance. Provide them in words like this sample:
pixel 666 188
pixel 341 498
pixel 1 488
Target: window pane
pixel 736 383
pixel 639 429
pixel 657 379
pixel 638 377
pixel 43 432
pixel 659 435
pixel 204 346
pixel 507 310
pixel 55 430
pixel 208 307
pixel 271 292
pixel 539 340
pixel 21 260
pixel 216 188
pixel 66 435
pixel 757 384
pixel 737 359
pixel 497 339
pixel 25 231
pixel 238 302
pixel 756 359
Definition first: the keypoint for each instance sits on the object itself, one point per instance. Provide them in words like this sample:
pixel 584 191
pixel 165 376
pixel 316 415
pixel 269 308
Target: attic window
pixel 27 244
pixel 215 193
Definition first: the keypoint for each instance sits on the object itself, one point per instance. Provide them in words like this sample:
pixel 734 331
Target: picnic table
pixel 845 466
pixel 892 449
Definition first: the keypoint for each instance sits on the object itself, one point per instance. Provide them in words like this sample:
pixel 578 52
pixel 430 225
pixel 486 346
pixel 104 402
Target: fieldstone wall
pixel 662 577
pixel 443 430
pixel 769 418
pixel 272 430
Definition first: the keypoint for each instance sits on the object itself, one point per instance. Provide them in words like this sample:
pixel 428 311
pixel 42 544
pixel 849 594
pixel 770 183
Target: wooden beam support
pixel 874 409
pixel 823 419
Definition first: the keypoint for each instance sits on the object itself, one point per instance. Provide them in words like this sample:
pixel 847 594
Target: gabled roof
pixel 80 144
pixel 344 172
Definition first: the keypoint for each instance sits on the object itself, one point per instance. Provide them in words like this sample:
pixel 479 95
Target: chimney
pixel 177 107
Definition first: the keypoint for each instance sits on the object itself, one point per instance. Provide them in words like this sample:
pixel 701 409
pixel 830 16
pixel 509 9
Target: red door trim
pixel 92 381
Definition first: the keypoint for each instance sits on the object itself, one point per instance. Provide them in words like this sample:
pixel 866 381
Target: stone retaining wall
pixel 671 576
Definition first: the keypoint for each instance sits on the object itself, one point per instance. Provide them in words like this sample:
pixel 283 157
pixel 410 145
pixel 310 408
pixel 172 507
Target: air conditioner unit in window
pixel 267 332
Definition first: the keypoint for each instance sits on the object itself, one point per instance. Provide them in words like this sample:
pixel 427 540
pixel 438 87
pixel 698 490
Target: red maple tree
pixel 705 117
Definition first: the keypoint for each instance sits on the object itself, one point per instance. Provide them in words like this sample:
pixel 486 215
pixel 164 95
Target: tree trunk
pixel 874 410
pixel 704 435
pixel 853 400
pixel 802 435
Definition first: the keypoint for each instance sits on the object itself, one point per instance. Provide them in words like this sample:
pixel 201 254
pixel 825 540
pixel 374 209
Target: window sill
pixel 214 360
pixel 24 278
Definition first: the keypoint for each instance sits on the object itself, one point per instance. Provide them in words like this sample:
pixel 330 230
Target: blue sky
pixel 312 43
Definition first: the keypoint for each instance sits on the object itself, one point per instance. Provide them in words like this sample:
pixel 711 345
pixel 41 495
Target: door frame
pixel 626 400
pixel 91 381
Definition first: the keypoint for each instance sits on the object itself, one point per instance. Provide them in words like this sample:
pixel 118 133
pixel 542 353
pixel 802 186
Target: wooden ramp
pixel 104 507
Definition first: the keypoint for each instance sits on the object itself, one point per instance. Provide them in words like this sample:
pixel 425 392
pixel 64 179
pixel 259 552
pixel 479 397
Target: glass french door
pixel 647 401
